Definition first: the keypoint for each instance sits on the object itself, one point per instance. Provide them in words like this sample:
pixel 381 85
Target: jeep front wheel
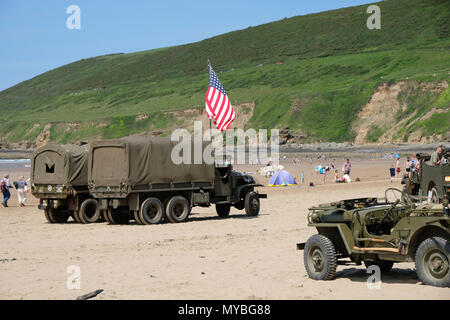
pixel 320 258
pixel 432 262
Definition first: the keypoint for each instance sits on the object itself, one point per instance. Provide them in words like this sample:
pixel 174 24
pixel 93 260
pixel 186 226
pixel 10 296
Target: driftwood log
pixel 90 295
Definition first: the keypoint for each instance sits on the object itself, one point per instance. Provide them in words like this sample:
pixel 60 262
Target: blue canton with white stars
pixel 214 81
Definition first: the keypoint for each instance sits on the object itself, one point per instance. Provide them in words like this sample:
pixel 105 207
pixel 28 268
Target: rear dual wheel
pixel 152 212
pixel 177 209
pixel 89 212
pixel 117 216
pixel 56 215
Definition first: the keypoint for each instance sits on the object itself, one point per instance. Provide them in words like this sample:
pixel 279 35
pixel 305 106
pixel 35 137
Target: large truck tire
pixel 117 216
pixel 76 216
pixel 136 217
pixel 152 211
pixel 47 216
pixel 58 215
pixel 178 209
pixel 252 204
pixel 89 211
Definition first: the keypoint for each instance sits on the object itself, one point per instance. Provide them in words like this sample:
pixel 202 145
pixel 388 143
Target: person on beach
pixel 302 177
pixel 392 172
pixel 5 185
pixel 398 170
pixel 22 188
pixel 437 156
pixel 347 167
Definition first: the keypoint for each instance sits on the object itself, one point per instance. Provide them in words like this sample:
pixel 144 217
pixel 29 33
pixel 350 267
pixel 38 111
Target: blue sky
pixel 34 37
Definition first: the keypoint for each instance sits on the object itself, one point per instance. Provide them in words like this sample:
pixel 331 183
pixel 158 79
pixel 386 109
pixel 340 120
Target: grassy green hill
pixel 331 64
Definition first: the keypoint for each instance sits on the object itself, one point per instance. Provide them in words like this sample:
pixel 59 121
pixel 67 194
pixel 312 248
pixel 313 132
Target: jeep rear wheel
pixel 384 265
pixel 223 210
pixel 433 262
pixel 320 258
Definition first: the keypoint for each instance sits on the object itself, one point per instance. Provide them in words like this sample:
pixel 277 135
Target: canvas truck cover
pixel 141 160
pixel 60 164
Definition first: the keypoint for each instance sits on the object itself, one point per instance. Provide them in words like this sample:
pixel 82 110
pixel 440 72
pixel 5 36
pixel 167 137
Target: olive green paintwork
pixel 376 229
pixel 428 180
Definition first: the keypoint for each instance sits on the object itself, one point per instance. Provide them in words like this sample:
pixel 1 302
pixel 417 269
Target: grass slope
pixel 331 64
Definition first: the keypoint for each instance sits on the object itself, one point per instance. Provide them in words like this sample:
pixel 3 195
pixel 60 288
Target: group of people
pixel 346 168
pixel 21 187
pixel 412 163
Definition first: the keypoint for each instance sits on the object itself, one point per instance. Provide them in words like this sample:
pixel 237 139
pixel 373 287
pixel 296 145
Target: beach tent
pixel 282 178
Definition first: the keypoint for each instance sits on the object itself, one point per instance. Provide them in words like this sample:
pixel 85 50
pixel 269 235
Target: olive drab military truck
pixel 428 182
pixel 135 178
pixel 59 180
pixel 380 232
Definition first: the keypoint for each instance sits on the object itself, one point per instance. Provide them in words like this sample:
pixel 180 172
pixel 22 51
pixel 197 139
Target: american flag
pixel 218 107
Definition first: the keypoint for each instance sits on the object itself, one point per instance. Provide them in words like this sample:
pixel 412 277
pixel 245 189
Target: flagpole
pixel 210 125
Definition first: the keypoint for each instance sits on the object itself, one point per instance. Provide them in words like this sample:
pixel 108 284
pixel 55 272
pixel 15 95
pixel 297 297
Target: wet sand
pixel 205 258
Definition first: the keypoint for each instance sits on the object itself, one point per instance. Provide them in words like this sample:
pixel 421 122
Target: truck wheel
pixel 89 211
pixel 384 265
pixel 47 215
pixel 432 262
pixel 223 210
pixel 320 258
pixel 76 216
pixel 136 217
pixel 152 211
pixel 58 216
pixel 178 209
pixel 252 204
pixel 105 216
pixel 116 216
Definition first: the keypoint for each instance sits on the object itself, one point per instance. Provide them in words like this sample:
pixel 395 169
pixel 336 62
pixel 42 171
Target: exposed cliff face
pixel 395 113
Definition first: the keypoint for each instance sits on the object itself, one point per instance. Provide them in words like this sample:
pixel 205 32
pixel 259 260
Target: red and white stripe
pixel 219 109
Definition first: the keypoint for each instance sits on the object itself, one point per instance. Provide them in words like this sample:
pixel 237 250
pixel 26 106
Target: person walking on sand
pixel 347 167
pixel 5 185
pixel 398 170
pixel 22 187
pixel 392 173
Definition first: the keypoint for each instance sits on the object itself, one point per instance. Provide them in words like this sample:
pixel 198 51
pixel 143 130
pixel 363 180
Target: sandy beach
pixel 208 257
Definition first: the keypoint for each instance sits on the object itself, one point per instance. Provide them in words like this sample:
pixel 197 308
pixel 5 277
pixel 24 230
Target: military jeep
pixel 428 182
pixel 380 232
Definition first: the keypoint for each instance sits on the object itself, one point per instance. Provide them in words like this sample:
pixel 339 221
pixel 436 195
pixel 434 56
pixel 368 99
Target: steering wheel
pixel 399 195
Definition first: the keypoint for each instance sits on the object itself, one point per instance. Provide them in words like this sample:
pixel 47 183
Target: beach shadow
pixel 212 218
pixel 396 275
